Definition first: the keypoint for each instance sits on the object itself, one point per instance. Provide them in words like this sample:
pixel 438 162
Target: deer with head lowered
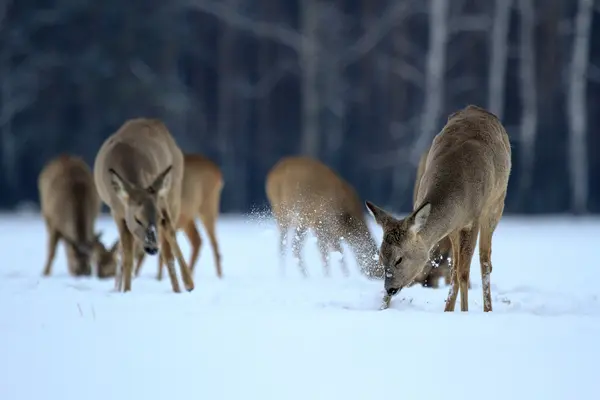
pixel 70 206
pixel 461 194
pixel 306 194
pixel 201 194
pixel 138 172
pixel 438 265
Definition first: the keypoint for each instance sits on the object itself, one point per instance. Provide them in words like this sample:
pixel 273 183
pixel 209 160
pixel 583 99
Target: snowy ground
pixel 259 335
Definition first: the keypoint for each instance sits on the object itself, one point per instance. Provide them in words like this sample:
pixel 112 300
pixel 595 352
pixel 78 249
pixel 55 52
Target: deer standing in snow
pixel 70 206
pixel 461 195
pixel 201 195
pixel 306 194
pixel 138 173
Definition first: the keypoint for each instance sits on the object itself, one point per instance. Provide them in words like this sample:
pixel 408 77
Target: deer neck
pixel 440 222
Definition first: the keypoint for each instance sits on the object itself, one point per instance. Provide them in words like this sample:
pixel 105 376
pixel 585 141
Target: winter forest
pixel 363 85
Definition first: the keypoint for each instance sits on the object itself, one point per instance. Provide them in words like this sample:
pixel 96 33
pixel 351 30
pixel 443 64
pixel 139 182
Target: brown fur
pixel 461 194
pixel 306 194
pixel 138 172
pixel 439 262
pixel 201 195
pixel 70 205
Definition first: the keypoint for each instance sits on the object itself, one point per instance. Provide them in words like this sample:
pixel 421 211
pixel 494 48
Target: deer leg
pixel 468 238
pixel 323 245
pixel 453 292
pixel 337 246
pixel 171 238
pixel 283 240
pixel 123 280
pixel 53 237
pixel 195 240
pixel 297 245
pixel 166 255
pixel 139 261
pixel 488 227
pixel 210 223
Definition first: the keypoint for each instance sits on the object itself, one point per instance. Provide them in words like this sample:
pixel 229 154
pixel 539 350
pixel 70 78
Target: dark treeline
pixel 362 85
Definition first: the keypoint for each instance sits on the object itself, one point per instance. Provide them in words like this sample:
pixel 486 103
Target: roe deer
pixel 438 265
pixel 138 172
pixel 461 193
pixel 200 195
pixel 306 194
pixel 70 206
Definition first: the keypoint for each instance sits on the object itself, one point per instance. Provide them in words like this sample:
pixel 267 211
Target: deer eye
pixel 137 221
pixel 398 262
pixel 151 190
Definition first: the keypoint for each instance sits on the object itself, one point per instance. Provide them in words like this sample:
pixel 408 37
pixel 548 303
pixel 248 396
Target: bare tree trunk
pixel 309 63
pixel 499 57
pixel 577 107
pixel 529 118
pixel 225 100
pixel 434 80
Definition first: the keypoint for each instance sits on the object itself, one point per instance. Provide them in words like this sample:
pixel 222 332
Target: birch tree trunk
pixel 309 63
pixel 434 78
pixel 529 118
pixel 499 57
pixel 577 107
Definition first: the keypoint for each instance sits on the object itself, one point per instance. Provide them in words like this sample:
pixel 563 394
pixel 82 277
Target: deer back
pixel 202 181
pixel 466 170
pixel 140 150
pixel 68 197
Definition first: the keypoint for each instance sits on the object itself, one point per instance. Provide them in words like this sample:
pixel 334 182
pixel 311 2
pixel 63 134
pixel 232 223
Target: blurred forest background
pixel 362 85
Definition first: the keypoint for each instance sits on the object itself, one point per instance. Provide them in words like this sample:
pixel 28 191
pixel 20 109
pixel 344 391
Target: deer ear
pixel 163 181
pixel 381 216
pixel 419 217
pixel 120 187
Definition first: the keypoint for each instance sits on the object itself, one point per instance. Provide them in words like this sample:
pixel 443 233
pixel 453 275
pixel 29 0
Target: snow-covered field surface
pixel 259 335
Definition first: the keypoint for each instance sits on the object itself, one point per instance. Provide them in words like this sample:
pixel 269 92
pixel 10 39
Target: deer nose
pixel 392 291
pixel 150 250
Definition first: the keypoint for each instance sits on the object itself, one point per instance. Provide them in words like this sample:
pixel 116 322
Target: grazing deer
pixel 438 265
pixel 70 205
pixel 138 172
pixel 200 195
pixel 461 194
pixel 306 194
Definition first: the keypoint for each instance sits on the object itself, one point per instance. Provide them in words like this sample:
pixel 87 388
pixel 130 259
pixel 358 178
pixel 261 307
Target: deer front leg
pixel 123 280
pixel 170 235
pixel 453 293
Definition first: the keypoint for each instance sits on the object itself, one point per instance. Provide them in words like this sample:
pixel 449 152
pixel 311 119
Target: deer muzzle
pixel 150 240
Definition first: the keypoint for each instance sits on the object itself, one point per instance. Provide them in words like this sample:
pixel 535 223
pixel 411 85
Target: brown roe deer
pixel 138 172
pixel 200 196
pixel 461 195
pixel 306 194
pixel 70 206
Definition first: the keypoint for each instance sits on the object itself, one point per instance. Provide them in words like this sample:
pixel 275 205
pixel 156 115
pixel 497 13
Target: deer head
pixel 141 206
pixel 403 252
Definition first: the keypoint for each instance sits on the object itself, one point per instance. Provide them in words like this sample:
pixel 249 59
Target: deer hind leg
pixel 53 237
pixel 337 247
pixel 171 239
pixel 468 238
pixel 488 226
pixel 453 292
pixel 210 225
pixel 123 280
pixel 298 245
pixel 195 240
pixel 323 245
